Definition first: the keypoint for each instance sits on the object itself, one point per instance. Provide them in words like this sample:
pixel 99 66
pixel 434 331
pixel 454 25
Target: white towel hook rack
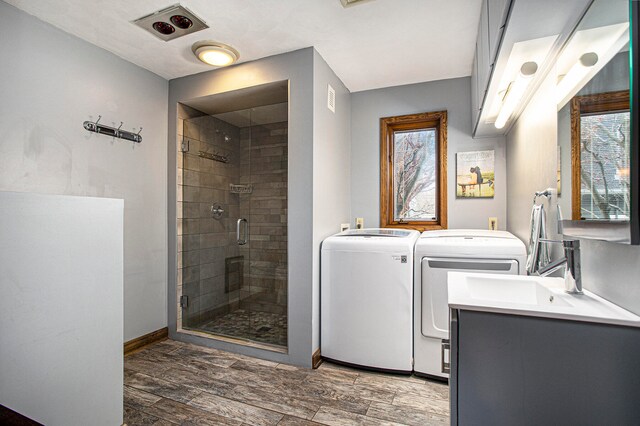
pixel 112 131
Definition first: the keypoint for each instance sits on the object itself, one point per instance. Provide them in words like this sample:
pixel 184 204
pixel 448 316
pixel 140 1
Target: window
pixel 413 171
pixel 600 137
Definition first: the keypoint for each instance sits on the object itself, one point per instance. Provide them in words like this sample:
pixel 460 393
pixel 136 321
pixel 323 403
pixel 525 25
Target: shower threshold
pixel 235 340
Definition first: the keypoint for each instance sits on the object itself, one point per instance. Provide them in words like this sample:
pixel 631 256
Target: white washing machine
pixel 437 253
pixel 366 298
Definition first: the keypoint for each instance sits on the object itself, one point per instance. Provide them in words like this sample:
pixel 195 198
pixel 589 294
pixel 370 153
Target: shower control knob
pixel 216 211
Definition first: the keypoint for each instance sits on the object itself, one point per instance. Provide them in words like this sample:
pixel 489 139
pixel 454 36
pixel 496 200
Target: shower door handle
pixel 242 241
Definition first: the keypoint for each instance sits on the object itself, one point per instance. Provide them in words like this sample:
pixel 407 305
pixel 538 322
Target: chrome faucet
pixel 571 262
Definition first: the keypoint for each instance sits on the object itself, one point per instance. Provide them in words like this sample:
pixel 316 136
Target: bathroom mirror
pixel 597 174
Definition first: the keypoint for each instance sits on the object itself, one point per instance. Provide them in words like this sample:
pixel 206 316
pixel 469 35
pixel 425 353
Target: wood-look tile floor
pixel 177 383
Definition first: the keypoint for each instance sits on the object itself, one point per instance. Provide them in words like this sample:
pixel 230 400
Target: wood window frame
pixel 388 126
pixel 588 104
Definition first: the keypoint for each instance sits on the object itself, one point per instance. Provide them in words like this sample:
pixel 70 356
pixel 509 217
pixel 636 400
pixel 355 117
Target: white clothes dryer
pixel 437 253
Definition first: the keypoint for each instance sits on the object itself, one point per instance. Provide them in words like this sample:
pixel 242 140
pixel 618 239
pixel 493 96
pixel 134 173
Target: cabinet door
pixel 475 103
pixel 523 370
pixel 453 371
pixel 484 66
pixel 497 10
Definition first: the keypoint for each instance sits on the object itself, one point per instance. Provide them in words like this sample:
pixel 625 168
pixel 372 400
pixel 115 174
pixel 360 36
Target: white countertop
pixel 532 296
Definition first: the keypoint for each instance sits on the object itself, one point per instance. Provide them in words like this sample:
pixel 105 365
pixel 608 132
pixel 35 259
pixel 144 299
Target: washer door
pixel 434 304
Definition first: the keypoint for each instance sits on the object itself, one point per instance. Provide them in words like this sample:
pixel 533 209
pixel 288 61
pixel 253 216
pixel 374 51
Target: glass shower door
pixel 210 271
pixel 232 229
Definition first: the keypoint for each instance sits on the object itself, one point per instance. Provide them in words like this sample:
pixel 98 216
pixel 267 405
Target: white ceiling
pixel 376 44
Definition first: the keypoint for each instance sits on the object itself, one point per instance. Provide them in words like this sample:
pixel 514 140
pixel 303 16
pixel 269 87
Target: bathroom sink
pixel 532 296
pixel 502 289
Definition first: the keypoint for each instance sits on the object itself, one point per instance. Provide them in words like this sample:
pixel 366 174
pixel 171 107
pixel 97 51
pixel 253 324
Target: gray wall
pixel 610 270
pixel 297 67
pixel 331 169
pixel 453 95
pixel 51 83
pixel 531 160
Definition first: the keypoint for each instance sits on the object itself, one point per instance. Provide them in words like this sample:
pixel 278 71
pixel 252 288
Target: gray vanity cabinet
pixel 522 370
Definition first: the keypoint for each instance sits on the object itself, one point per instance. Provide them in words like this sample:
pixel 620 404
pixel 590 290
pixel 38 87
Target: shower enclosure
pixel 232 222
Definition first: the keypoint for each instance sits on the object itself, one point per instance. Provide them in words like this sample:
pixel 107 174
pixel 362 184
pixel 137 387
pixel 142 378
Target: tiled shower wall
pixel 263 164
pixel 203 242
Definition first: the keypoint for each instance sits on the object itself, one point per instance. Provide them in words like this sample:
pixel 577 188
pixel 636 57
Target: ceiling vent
pixel 172 22
pixel 349 3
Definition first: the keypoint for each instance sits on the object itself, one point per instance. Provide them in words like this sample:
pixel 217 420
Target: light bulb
pixel 516 90
pixel 217 54
pixel 575 75
pixel 214 57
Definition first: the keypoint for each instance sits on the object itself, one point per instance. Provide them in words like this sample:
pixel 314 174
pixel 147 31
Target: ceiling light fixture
pixel 214 53
pixel 515 92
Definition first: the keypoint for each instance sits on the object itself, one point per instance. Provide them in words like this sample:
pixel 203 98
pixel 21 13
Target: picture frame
pixel 475 174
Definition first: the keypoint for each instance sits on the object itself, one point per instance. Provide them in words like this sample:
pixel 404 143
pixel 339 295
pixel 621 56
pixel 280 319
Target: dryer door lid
pixel 435 298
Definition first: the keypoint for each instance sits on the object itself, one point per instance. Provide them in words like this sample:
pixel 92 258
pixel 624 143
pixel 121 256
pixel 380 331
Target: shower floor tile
pixel 263 327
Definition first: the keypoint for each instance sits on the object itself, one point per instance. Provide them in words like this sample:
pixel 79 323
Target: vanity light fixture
pixel 215 53
pixel 515 92
pixel 575 75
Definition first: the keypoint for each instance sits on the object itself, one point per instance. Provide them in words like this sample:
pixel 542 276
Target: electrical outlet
pixel 344 227
pixel 493 223
pixel 359 222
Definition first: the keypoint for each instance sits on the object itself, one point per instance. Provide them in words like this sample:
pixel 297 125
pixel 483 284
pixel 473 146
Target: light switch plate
pixel 493 223
pixel 359 222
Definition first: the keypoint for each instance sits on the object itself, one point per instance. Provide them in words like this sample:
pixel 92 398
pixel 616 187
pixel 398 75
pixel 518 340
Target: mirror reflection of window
pixel 604 160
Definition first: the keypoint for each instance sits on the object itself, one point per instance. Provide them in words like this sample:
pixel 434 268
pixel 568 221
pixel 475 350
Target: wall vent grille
pixel 331 99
